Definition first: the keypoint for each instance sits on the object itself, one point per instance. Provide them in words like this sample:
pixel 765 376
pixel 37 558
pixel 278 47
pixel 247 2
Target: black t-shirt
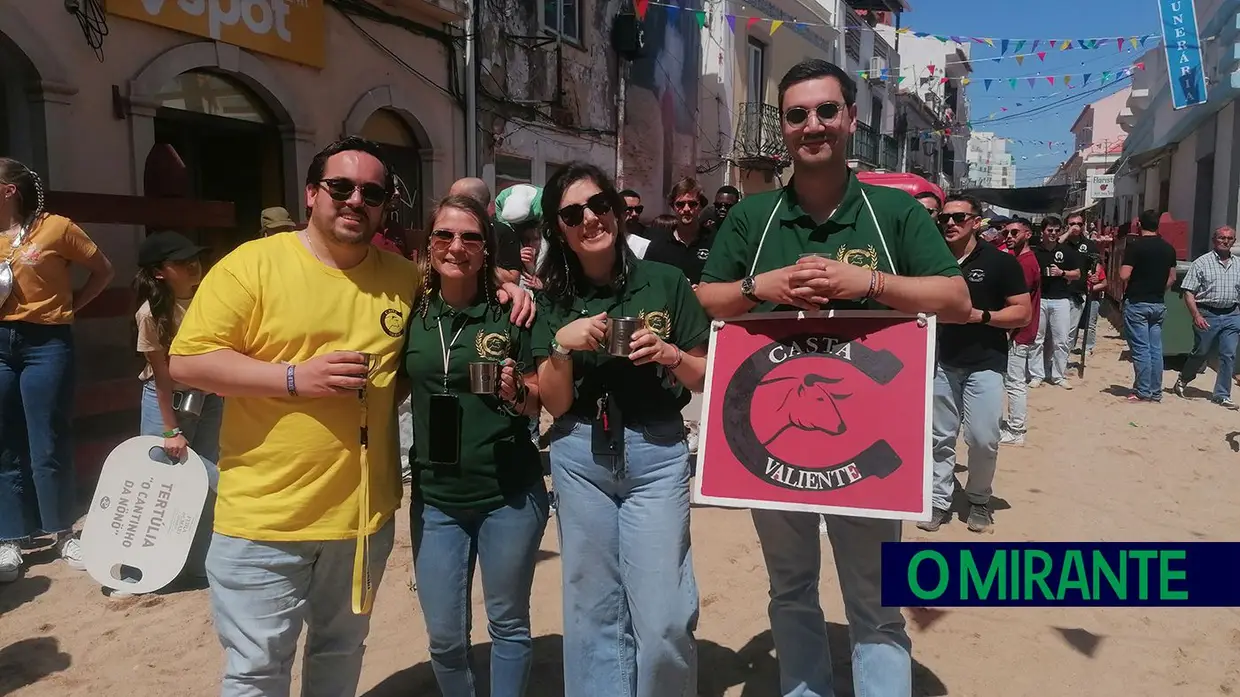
pixel 1067 259
pixel 1086 250
pixel 1151 258
pixel 666 248
pixel 507 247
pixel 993 276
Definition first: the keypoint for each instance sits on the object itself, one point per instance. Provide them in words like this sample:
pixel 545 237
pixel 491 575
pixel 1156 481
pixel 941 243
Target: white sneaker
pixel 71 551
pixel 1064 384
pixel 1009 438
pixel 10 561
pixel 1034 384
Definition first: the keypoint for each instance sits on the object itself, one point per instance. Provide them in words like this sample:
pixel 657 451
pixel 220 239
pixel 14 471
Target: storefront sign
pixel 819 414
pixel 1183 49
pixel 1101 186
pixel 288 29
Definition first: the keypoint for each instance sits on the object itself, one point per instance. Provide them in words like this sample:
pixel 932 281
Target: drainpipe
pixel 471 91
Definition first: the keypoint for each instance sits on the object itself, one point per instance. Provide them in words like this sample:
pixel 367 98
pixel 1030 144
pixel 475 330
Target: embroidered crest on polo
pixel 493 345
pixel 866 257
pixel 977 275
pixel 658 321
pixel 393 323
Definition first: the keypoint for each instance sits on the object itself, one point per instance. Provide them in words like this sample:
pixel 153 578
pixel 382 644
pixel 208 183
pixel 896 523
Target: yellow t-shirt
pixel 290 466
pixel 42 273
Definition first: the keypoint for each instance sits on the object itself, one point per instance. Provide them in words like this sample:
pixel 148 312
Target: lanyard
pixel 447 348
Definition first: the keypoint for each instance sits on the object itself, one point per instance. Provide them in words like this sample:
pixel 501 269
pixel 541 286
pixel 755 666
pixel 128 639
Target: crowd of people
pixel 302 408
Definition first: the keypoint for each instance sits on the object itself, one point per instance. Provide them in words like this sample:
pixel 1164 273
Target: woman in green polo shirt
pixel 619 460
pixel 478 493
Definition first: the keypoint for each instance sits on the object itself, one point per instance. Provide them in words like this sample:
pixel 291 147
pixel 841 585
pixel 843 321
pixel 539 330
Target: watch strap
pixel 748 285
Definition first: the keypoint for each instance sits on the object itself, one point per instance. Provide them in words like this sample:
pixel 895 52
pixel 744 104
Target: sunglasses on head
pixel 471 241
pixel 341 189
pixel 574 215
pixel 958 218
pixel 826 113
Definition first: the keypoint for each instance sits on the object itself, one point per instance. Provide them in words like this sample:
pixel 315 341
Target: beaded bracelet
pixel 680 357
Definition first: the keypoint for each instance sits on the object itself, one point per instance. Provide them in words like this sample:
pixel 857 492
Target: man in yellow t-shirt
pixel 279 328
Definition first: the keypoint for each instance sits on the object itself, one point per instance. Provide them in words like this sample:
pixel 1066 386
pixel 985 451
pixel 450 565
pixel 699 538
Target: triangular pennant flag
pixel 1042 56
pixel 1031 81
pixel 931 69
pixel 1050 79
pixel 1133 40
pixel 882 75
pixel 1012 83
pixel 750 22
pixel 920 34
pixel 942 81
pixel 731 22
pixel 1067 44
pixel 902 30
pixel 700 16
pixel 1082 43
pixel 989 42
pixel 775 24
pixel 673 13
pixel 977 40
pixel 800 26
pixel 1002 108
pixel 1067 79
pixel 1035 45
pixel 941 38
pixel 864 75
pixel 1003 47
pixel 900 80
pixel 1106 76
pixel 957 39
pixel 1086 82
pixel 642 6
pixel 964 81
pixel 1141 65
pixel 1144 39
pixel 1020 60
pixel 987 84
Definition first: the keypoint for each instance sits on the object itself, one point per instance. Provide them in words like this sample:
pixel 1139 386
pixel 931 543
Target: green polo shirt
pixel 910 244
pixel 662 296
pixel 498 459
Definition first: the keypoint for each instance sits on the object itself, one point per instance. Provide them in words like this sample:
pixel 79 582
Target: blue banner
pixel 1183 48
pixel 1066 574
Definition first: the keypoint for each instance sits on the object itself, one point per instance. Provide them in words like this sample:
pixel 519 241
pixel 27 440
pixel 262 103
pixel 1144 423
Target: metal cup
pixel 820 255
pixel 484 377
pixel 620 332
pixel 191 402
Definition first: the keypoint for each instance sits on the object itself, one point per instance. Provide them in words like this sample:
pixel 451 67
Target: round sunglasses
pixel 826 113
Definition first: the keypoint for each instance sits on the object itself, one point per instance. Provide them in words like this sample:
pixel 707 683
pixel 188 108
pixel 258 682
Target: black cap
pixel 166 246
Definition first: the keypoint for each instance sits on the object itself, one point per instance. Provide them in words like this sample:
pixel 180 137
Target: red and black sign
pixel 819 414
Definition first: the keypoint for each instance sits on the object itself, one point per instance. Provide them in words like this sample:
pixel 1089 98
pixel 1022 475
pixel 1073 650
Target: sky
pixel 1058 106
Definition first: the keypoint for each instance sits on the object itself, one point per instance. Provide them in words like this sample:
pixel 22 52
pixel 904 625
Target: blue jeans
pixel 1221 334
pixel 1143 324
pixel 881 649
pixel 262 593
pixel 1049 360
pixel 36 444
pixel 630 597
pixel 446 546
pixel 203 434
pixel 974 400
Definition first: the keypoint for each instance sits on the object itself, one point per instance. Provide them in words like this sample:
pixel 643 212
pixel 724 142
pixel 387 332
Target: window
pixel 207 93
pixel 562 17
pixel 757 71
pixel 512 170
pixel 876 115
pixel 549 170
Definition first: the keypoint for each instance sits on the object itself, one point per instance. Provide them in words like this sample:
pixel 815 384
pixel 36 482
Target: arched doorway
pixel 403 152
pixel 230 144
pixel 22 133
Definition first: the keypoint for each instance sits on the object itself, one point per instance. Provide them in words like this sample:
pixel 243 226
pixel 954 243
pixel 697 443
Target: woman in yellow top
pixel 37 304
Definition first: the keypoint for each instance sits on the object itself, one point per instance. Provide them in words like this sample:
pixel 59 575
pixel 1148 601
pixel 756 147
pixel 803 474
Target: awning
pixel 1034 199
pixel 1079 209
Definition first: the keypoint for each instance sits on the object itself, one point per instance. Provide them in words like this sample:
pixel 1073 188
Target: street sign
pixel 1182 44
pixel 1101 186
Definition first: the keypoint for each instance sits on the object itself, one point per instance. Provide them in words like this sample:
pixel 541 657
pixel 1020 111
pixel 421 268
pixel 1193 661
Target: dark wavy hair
pixel 29 189
pixel 486 276
pixel 560 271
pixel 154 290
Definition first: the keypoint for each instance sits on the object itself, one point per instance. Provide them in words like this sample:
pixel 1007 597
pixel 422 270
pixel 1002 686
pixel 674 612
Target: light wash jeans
pixel 1016 384
pixel 447 544
pixel 972 400
pixel 1092 321
pixel 1222 335
pixel 630 597
pixel 1050 347
pixel 262 592
pixel 881 648
pixel 404 426
pixel 1143 328
pixel 202 432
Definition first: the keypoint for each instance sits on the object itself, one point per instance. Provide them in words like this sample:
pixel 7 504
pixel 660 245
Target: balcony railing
pixel 889 154
pixel 864 145
pixel 759 139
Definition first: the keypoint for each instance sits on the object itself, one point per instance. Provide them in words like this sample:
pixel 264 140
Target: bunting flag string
pixel 1105 78
pixel 1002 43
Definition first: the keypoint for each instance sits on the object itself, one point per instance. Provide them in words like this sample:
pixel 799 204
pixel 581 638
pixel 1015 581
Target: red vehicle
pixel 911 183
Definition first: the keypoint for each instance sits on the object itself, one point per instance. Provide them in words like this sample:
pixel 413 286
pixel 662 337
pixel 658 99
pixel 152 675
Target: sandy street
pixel 1094 468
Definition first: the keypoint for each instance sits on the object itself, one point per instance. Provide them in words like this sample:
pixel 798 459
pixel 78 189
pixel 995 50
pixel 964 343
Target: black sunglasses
pixel 341 189
pixel 574 215
pixel 635 209
pixel 957 218
pixel 1013 231
pixel 826 113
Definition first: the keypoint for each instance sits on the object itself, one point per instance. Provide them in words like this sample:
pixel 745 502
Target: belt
pixel 1219 309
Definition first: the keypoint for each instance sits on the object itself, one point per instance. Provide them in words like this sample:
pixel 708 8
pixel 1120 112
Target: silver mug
pixel 189 402
pixel 620 332
pixel 484 377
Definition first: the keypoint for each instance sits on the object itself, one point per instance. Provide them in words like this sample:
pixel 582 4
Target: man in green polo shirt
pixel 878 249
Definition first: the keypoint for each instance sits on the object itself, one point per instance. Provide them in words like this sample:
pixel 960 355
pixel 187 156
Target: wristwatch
pixel 748 285
pixel 559 352
pixel 985 316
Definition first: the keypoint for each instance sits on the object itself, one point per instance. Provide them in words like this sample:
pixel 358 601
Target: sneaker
pixel 1225 402
pixel 1064 384
pixel 1178 388
pixel 1009 438
pixel 980 517
pixel 937 518
pixel 1133 399
pixel 10 561
pixel 71 551
pixel 1034 384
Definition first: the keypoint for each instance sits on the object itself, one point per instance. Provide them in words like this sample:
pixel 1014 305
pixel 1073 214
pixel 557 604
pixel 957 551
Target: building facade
pixel 991 166
pixel 1098 141
pixel 222 111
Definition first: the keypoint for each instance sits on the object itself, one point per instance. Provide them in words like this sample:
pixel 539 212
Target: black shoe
pixel 980 517
pixel 938 517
